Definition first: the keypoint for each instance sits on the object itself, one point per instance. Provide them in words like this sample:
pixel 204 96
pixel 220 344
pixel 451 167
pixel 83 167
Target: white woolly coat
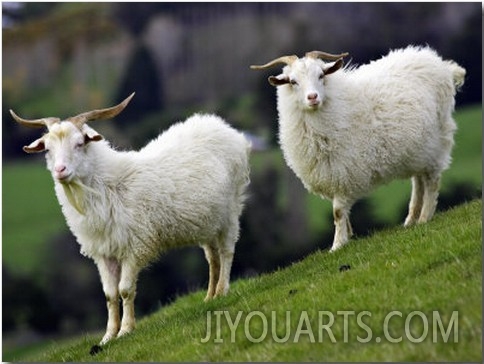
pixel 384 120
pixel 185 187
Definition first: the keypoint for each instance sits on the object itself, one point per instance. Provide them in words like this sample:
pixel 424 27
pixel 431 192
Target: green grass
pixel 426 268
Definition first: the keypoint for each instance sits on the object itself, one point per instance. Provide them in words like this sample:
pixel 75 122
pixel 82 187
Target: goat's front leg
pixel 343 230
pixel 127 290
pixel 109 270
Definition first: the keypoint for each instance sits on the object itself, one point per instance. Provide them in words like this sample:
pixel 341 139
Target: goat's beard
pixel 75 193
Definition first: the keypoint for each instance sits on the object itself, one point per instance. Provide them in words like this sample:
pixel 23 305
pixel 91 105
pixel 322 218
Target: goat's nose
pixel 312 96
pixel 60 168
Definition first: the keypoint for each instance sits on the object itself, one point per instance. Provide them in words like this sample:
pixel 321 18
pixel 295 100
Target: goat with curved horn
pixel 116 204
pixel 344 132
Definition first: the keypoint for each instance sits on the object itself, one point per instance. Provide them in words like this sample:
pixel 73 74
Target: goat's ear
pixel 92 138
pixel 37 146
pixel 91 135
pixel 336 66
pixel 278 80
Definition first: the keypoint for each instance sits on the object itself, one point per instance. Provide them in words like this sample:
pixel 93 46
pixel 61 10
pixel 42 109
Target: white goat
pixel 344 133
pixel 125 208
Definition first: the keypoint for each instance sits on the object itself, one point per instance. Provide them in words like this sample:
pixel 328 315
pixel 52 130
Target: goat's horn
pixel 36 123
pixel 284 59
pixel 326 56
pixel 107 113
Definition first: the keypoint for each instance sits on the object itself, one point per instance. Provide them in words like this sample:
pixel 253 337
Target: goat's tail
pixel 458 74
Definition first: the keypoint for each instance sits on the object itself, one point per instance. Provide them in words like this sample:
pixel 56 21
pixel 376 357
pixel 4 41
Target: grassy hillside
pixel 431 269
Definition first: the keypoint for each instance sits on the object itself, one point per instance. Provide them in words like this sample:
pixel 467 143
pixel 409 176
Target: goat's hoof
pixel 221 291
pixel 408 223
pixel 124 332
pixel 338 245
pixel 107 337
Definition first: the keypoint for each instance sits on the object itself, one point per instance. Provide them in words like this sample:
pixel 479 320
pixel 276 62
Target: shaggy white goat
pixel 186 187
pixel 344 133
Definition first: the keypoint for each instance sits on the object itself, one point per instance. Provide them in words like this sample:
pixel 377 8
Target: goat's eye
pixel 293 82
pixel 321 76
pixel 79 145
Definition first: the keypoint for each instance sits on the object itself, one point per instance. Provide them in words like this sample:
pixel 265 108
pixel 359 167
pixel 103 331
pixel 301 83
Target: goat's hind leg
pixel 431 193
pixel 226 258
pixel 416 201
pixel 109 271
pixel 226 254
pixel 213 259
